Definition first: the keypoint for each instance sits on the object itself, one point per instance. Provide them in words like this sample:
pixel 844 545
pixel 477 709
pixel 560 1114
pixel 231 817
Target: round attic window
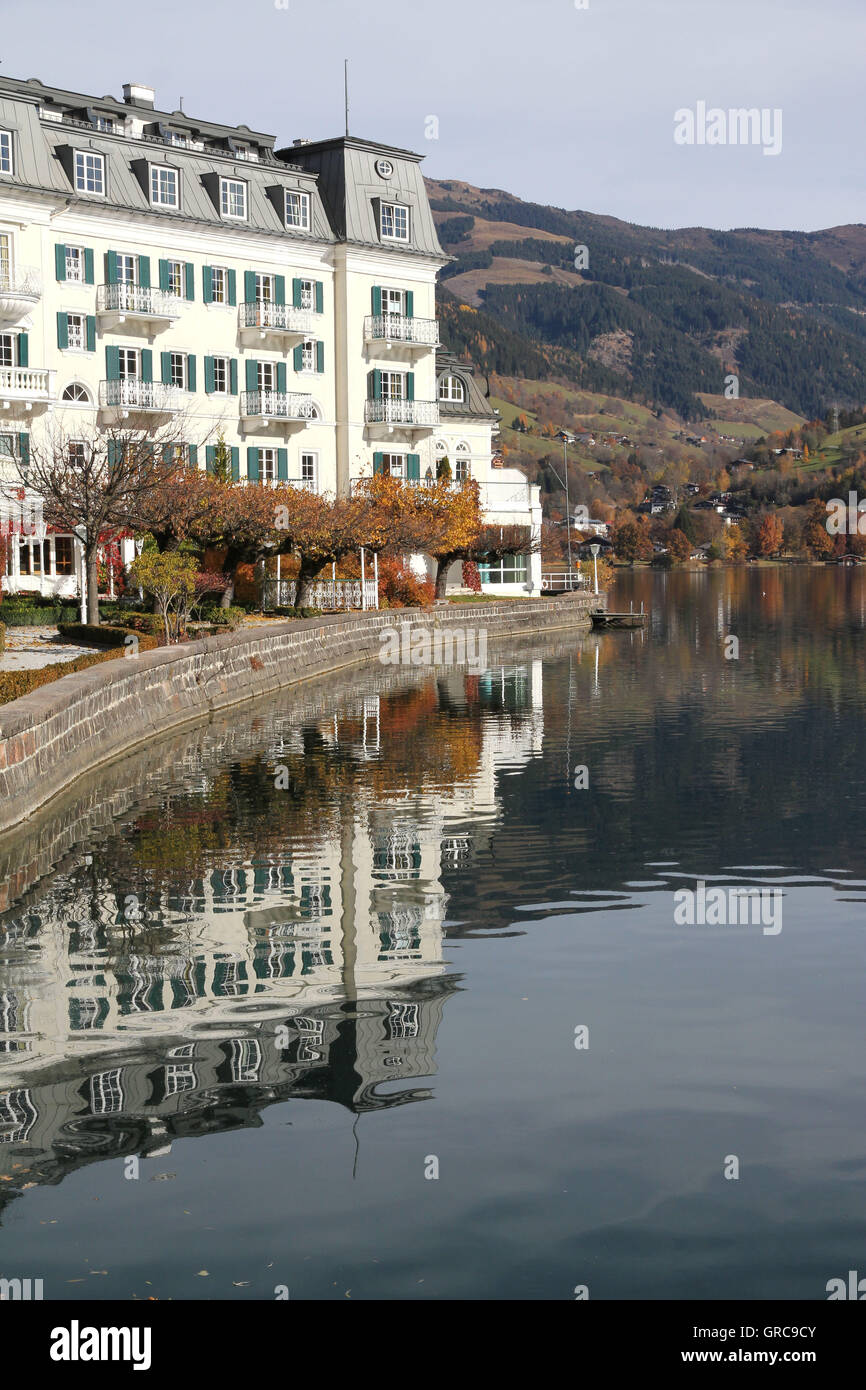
pixel 384 168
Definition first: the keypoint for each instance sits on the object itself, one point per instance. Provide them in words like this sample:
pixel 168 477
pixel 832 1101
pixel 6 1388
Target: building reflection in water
pixel 303 958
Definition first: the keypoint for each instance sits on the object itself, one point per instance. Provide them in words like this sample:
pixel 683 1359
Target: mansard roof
pixel 475 406
pixel 352 186
pixel 48 124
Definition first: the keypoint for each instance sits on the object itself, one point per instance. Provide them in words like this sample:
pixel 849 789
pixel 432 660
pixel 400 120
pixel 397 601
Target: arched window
pixel 76 394
pixel 451 388
pixel 462 462
pixel 441 448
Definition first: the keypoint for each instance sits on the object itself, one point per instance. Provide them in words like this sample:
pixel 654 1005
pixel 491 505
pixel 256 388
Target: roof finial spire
pixel 346 91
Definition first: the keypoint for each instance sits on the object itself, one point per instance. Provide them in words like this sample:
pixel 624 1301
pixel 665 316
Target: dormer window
pixel 89 173
pixel 394 222
pixel 5 152
pixel 452 388
pixel 177 138
pixel 298 210
pixel 105 125
pixel 233 199
pixel 164 187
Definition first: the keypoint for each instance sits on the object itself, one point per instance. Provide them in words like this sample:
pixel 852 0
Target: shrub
pixel 85 633
pixel 28 615
pixel 298 612
pixel 471 576
pixel 400 588
pixel 150 623
pixel 226 617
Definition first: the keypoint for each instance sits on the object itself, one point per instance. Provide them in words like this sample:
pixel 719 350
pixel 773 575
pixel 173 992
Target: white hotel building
pixel 154 266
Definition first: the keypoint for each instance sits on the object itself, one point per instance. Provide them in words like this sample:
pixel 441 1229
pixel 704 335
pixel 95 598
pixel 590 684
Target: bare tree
pixel 100 483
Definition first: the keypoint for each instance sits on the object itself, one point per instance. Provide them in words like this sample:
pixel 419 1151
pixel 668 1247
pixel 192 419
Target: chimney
pixel 135 94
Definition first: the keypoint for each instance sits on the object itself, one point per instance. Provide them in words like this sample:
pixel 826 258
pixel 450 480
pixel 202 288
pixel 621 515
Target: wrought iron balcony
pixel 32 385
pixel 276 405
pixel 20 292
pixel 138 302
pixel 130 393
pixel 264 316
pixel 414 414
pixel 397 328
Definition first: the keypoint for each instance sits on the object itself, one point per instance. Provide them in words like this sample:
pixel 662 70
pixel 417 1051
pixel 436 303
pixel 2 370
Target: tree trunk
pixel 307 576
pixel 92 562
pixel 443 565
pixel 228 593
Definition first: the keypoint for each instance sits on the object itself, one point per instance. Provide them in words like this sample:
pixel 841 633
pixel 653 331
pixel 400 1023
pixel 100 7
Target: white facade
pixel 158 269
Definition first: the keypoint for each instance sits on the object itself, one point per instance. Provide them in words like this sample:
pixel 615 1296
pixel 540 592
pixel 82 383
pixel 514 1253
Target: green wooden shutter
pixel 146 365
pixel 249 286
pixel 252 374
pixel 320 297
pixel 296 293
pixel 236 463
pixel 413 468
pixel 281 376
pixel 298 358
pixel 233 287
pixel 60 261
pixel 209 454
pixel 377 463
pixel 189 279
pixel 90 333
pixel 410 386
pixel 88 265
pixel 253 465
pixel 111 267
pixel 320 357
pixel 190 372
pixel 377 300
pixel 165 368
pixel 112 363
pixel 24 450
pixel 375 381
pixel 163 275
pixel 113 452
pixel 23 350
pixel 193 456
pixel 410 304
pixel 207 284
pixel 144 272
pixel 209 381
pixel 62 331
pixel 282 464
pixel 233 376
pixel 279 289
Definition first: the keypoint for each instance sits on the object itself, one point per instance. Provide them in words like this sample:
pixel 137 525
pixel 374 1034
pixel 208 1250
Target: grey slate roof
pixel 350 187
pixel 39 162
pixel 476 405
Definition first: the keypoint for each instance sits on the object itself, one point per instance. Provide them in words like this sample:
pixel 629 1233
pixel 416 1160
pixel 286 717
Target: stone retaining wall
pixel 67 728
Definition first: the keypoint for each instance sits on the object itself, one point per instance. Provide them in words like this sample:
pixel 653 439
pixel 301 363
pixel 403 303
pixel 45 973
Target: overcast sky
pixel 561 105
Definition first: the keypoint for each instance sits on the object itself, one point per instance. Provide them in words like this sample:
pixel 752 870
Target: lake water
pixel 375 989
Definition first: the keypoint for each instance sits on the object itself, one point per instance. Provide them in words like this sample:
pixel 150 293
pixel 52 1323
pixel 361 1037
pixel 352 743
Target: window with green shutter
pixel 279 289
pixel 410 304
pixel 377 300
pixel 249 287
pixel 90 333
pixel 298 358
pixel 236 463
pixel 190 372
pixel 374 384
pixel 282 464
pixel 193 456
pixel 146 365
pixel 62 332
pixel 281 377
pixel 252 374
pixel 24 450
pixel 144 272
pixel 111 267
pixel 320 297
pixel 253 465
pixel 209 376
pixel 233 376
pixel 209 454
pixel 297 293
pixel 413 468
pixel 23 353
pixel 207 284
pixel 60 261
pixel 377 463
pixel 189 280
pixel 410 386
pixel 88 266
pixel 112 363
pixel 232 282
pixel 165 368
pixel 320 357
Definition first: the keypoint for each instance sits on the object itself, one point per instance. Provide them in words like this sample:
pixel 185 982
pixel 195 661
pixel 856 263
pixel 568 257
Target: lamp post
pixel 567 506
pixel 594 550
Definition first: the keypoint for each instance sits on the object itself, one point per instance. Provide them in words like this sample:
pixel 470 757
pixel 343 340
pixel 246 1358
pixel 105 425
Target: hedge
pixel 14 684
pixel 30 615
pixel 104 635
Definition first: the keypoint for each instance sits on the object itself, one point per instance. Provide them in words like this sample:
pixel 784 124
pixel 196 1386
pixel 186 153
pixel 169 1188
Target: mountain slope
pixel 652 315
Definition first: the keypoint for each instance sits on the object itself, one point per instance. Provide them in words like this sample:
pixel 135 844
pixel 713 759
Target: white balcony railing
pixel 327 595
pixel 131 393
pixel 20 291
pixel 277 405
pixel 30 384
pixel 397 328
pixel 137 301
pixel 276 318
pixel 413 413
